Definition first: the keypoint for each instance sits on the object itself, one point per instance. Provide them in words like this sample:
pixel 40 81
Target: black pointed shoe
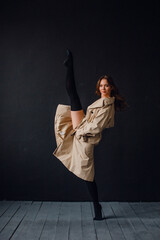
pixel 98 212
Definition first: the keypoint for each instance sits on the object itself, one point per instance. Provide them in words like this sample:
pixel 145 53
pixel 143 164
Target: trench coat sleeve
pixel 97 125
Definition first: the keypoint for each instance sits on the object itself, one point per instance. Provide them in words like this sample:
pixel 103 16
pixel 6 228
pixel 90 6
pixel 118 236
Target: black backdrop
pixel 112 37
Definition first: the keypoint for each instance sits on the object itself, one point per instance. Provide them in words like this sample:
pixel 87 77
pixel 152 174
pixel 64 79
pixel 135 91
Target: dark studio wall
pixel 115 37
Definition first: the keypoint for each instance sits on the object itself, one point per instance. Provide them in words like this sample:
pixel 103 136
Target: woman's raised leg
pixel 77 117
pixel 77 112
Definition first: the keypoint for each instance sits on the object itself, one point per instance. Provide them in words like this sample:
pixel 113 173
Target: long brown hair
pixel 120 102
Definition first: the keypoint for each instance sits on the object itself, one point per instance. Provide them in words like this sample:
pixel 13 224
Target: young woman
pixel 77 133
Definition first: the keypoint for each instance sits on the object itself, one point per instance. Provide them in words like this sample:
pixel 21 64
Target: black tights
pixel 92 189
pixel 72 91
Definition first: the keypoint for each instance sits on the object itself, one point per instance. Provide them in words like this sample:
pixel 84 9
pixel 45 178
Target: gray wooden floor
pixel 20 220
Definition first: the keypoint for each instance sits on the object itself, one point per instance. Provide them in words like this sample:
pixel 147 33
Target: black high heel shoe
pixel 98 212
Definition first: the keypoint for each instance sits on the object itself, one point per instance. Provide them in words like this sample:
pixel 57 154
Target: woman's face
pixel 104 88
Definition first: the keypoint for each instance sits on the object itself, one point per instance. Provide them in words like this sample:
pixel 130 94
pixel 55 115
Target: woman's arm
pixel 100 122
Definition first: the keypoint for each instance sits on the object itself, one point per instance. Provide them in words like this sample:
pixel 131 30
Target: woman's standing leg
pixel 92 189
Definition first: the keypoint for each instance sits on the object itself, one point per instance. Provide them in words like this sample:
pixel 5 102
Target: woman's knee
pixel 77 117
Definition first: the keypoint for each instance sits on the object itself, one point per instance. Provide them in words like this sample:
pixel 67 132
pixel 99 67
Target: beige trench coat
pixel 75 147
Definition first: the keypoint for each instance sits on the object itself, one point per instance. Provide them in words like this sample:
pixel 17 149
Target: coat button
pixel 85 138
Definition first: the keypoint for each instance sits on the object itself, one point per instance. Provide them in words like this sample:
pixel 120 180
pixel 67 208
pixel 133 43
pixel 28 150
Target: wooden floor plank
pixel 112 223
pixel 4 205
pixel 136 222
pixel 75 230
pixel 62 229
pixel 156 213
pixel 101 228
pixel 49 229
pixel 152 210
pixel 38 223
pixel 22 220
pixel 124 222
pixel 149 213
pixel 146 219
pixel 88 229
pixel 14 222
pixel 9 213
pixel 27 222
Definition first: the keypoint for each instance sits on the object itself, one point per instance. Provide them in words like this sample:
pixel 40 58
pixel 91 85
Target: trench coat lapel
pixel 101 102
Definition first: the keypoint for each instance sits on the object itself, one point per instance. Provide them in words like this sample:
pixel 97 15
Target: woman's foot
pixel 98 212
pixel 69 60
